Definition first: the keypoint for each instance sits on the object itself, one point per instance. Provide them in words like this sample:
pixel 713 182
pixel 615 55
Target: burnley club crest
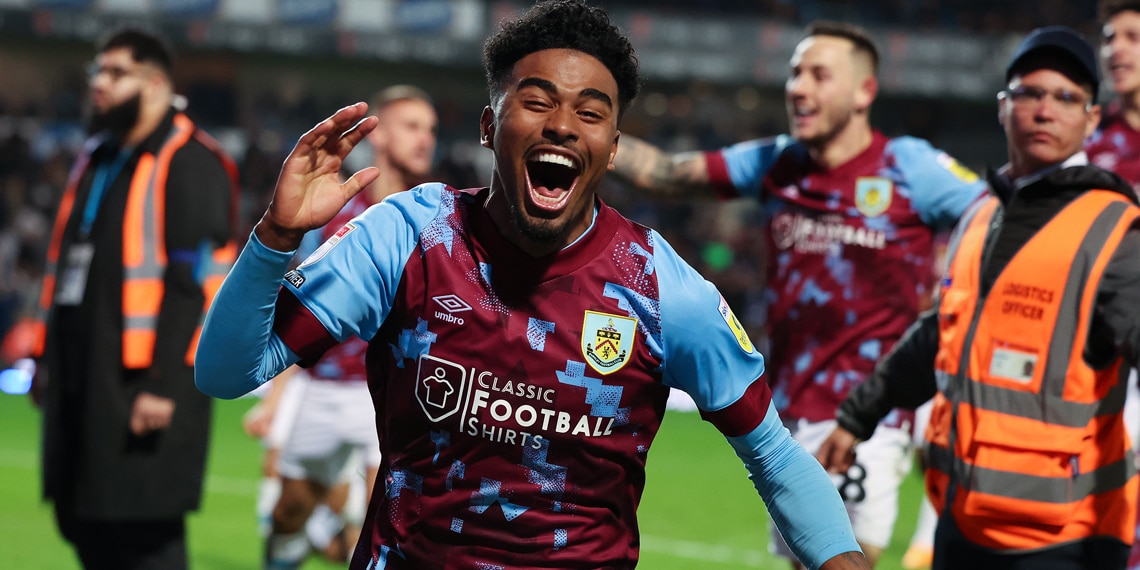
pixel 607 340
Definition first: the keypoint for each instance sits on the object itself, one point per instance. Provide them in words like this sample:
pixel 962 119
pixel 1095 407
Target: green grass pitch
pixel 699 508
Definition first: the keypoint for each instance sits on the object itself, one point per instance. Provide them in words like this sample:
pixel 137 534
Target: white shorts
pixel 884 461
pixel 286 414
pixel 333 420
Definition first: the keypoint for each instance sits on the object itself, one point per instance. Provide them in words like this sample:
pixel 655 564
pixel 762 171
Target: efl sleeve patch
pixel 328 245
pixel 734 325
pixel 962 173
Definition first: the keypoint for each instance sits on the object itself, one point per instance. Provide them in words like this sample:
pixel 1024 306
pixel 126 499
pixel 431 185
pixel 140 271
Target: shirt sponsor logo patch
pixel 607 340
pixel 440 387
pixel 873 195
pixel 824 235
pixel 328 245
pixel 734 325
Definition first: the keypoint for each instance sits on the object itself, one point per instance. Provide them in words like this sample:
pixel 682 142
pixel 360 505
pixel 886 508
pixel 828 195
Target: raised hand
pixel 309 190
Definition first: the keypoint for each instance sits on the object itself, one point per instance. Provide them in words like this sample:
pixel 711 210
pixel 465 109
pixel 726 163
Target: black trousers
pixel 952 551
pixel 133 545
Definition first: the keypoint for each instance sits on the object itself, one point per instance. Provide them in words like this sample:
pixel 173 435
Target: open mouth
pixel 551 178
pixel 802 112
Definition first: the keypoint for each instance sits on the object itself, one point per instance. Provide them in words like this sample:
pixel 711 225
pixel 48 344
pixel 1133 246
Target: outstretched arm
pixel 650 169
pixel 799 495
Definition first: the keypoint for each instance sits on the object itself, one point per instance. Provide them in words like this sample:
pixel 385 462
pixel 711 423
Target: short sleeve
pixel 743 166
pixel 706 351
pixel 941 188
pixel 349 283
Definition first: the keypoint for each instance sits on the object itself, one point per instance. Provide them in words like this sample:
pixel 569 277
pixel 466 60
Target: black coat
pixel 93 466
pixel 905 377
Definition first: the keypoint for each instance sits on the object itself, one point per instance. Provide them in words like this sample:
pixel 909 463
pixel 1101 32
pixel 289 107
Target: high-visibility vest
pixel 144 248
pixel 1026 441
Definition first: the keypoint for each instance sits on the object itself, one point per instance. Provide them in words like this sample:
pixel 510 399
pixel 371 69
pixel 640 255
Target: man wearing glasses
pixel 1028 352
pixel 142 239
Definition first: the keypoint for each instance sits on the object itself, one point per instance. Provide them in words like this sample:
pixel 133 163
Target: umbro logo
pixel 451 304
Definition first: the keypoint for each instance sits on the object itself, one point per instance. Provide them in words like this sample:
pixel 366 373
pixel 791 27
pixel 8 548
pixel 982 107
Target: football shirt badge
pixel 873 195
pixel 607 340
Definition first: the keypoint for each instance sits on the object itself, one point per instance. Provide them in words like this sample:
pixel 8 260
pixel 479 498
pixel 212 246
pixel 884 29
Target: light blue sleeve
pixel 706 353
pixel 237 350
pixel 941 188
pixel 704 349
pixel 749 161
pixel 350 282
pixel 309 243
pixel 797 491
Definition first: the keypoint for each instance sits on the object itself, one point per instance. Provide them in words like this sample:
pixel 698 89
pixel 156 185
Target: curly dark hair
pixel 555 24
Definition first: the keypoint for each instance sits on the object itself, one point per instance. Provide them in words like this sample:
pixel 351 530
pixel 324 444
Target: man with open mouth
pixel 523 338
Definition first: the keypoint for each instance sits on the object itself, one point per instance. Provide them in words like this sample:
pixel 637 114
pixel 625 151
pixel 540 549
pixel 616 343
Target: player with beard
pixel 851 218
pixel 333 418
pixel 522 338
pixel 142 239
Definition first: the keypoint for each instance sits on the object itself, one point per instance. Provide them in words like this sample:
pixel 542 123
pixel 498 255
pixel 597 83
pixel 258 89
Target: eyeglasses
pixel 94 70
pixel 1030 97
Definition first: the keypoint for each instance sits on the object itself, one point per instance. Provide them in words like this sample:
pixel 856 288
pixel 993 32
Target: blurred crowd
pixel 39 137
pixel 973 16
pixel 38 144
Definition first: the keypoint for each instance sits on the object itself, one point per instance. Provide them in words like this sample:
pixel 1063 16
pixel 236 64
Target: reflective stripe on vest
pixel 1026 440
pixel 66 204
pixel 144 248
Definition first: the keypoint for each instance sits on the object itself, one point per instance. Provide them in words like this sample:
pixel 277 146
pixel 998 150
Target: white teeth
pixel 554 159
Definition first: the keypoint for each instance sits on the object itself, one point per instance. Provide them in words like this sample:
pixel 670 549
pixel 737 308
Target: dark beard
pixel 119 119
pixel 539 233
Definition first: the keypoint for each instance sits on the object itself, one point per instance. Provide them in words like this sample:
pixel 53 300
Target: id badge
pixel 1013 363
pixel 73 278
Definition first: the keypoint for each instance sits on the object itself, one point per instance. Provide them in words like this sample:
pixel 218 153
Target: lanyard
pixel 105 175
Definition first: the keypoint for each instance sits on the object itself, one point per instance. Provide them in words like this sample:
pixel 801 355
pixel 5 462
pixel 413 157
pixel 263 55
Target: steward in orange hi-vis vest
pixel 144 251
pixel 1026 440
pixel 1026 356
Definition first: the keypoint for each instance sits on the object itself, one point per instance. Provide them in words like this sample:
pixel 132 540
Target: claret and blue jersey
pixel 518 397
pixel 1115 146
pixel 850 254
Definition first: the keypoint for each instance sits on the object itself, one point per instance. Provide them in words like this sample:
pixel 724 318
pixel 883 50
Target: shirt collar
pixel 1078 159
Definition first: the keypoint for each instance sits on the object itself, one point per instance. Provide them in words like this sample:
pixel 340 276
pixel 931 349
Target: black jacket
pixel 93 467
pixel 905 377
